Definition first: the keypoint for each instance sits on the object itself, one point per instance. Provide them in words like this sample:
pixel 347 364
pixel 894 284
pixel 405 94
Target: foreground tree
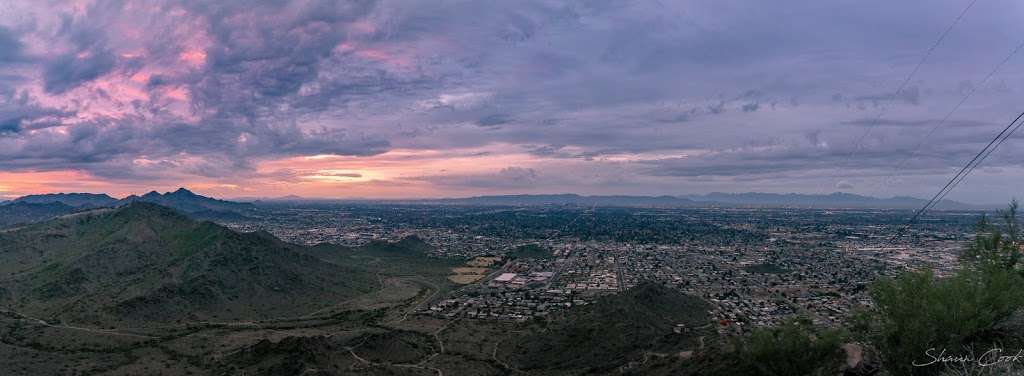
pixel 794 348
pixel 925 325
pixel 997 246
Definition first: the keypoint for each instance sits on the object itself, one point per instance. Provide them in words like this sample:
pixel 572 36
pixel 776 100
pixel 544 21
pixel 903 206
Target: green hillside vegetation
pixel 531 251
pixel 330 355
pixel 979 308
pixel 976 309
pixel 613 331
pixel 142 289
pixel 407 257
pixel 794 348
pixel 289 356
pixel 396 346
pixel 145 262
pixel 411 246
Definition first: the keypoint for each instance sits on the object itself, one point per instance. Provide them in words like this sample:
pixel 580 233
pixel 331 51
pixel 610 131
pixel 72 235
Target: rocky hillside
pixel 145 262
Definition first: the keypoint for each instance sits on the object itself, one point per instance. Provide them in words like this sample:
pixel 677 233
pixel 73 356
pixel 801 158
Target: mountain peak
pixel 183 192
pixel 186 201
pixel 145 209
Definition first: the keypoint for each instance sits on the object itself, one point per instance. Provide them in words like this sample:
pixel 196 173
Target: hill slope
pixel 144 262
pixel 24 212
pixel 613 330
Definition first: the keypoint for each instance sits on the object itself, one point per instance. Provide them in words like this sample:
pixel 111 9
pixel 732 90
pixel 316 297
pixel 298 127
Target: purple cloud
pixel 662 93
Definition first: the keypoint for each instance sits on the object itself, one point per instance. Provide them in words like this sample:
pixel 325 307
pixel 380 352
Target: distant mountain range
pixel 564 199
pixel 210 208
pixel 794 200
pixel 191 203
pixel 32 208
pixel 288 198
pixel 834 200
pixel 77 200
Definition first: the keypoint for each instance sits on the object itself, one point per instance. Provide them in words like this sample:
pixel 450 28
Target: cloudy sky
pixel 452 98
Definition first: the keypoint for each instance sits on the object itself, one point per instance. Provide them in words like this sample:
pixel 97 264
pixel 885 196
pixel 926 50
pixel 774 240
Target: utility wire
pixel 942 122
pixel 962 174
pixel 981 156
pixel 982 160
pixel 899 90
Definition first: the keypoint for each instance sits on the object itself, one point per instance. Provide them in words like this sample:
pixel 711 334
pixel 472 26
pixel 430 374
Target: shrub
pixel 917 311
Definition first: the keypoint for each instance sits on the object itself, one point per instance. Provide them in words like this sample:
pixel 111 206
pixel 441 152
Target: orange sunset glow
pixel 381 100
pixel 517 187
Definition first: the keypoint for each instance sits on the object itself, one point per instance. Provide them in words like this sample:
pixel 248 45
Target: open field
pixel 474 270
pixel 465 279
pixel 483 261
pixel 467 270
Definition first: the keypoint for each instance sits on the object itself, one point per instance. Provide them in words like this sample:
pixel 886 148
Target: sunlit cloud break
pixel 432 99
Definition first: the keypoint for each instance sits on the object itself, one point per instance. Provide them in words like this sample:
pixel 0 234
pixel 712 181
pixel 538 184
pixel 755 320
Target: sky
pixel 407 99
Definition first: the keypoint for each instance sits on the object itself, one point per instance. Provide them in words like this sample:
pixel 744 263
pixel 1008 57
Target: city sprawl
pixel 757 266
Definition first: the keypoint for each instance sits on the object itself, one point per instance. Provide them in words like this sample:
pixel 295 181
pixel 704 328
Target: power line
pixel 969 167
pixel 942 122
pixel 899 90
pixel 982 160
pixel 976 161
pixel 962 174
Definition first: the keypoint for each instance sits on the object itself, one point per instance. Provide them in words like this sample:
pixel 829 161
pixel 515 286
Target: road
pixel 420 365
pixel 437 290
pixel 561 268
pixel 117 332
pixel 619 274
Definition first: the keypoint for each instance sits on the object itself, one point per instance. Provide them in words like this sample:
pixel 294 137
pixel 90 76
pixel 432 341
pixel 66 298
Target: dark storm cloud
pixel 11 47
pixel 264 56
pixel 506 178
pixel 8 127
pixel 871 158
pixel 249 62
pixel 69 70
pixel 18 113
pixel 910 95
pixel 109 149
pixel 722 88
pixel 341 174
pixel 15 119
pixel 915 123
pixel 88 56
pixel 494 120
